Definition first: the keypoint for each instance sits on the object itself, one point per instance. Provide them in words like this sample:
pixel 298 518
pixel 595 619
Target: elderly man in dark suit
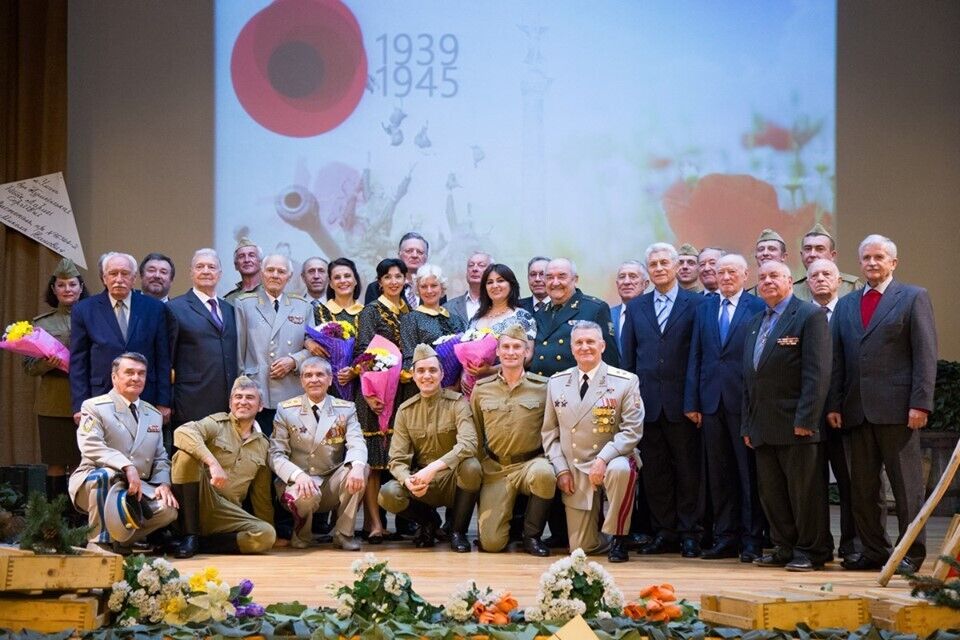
pixel 466 305
pixel 537 282
pixel 884 370
pixel 116 321
pixel 786 370
pixel 713 399
pixel 656 345
pixel 204 343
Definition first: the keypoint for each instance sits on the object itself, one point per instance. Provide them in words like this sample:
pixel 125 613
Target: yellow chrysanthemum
pixel 348 329
pixel 377 351
pixel 18 330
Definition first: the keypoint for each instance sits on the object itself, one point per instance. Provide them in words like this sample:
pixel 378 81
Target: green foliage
pixel 379 594
pixel 8 497
pixel 940 592
pixel 946 399
pixel 46 530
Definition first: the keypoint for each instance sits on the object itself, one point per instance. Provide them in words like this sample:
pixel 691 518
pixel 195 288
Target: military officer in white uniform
pixel 591 427
pixel 270 337
pixel 120 440
pixel 320 457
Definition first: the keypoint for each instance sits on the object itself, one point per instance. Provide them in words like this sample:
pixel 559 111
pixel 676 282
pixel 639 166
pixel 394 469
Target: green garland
pixel 945 593
pixel 46 531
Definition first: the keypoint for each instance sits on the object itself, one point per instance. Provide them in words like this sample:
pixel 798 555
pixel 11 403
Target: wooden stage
pixel 294 574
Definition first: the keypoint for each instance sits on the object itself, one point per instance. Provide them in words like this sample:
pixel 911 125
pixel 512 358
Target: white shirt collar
pixel 590 374
pixel 882 287
pixel 734 299
pixel 203 297
pixel 127 301
pixel 671 293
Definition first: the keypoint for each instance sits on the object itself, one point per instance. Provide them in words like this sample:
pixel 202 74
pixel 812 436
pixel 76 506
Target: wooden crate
pixel 47 615
pixel 26 571
pixel 899 611
pixel 783 609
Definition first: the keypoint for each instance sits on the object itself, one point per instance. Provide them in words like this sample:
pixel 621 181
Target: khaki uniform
pixel 245 463
pixel 848 283
pixel 326 449
pixel 109 440
pixel 263 335
pixel 607 423
pixel 509 423
pixel 53 397
pixel 427 429
pixel 232 295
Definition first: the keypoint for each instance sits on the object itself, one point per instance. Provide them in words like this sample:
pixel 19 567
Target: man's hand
pixel 356 479
pixel 218 477
pixel 304 486
pixel 164 413
pixel 345 375
pixel 835 420
pixel 53 361
pixel 565 483
pixel 165 496
pixel 282 366
pixel 376 404
pixel 746 441
pixel 76 418
pixel 315 348
pixel 133 480
pixel 597 471
pixel 425 476
pixel 916 419
pixel 803 432
pixel 414 486
pixel 695 417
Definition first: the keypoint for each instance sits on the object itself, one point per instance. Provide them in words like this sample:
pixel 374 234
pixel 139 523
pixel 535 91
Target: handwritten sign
pixel 39 208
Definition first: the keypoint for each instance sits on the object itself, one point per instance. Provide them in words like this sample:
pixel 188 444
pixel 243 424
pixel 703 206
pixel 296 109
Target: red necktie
pixel 868 304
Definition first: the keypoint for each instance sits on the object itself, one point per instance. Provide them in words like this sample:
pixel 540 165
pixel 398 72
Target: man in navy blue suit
pixel 713 399
pixel 632 281
pixel 115 321
pixel 656 346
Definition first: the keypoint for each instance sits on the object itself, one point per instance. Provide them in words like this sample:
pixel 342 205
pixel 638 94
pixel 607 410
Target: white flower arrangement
pixel 574 586
pixel 379 593
pixel 474 334
pixel 460 605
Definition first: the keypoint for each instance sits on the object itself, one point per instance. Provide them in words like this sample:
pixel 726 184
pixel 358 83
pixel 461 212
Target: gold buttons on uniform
pixel 541 357
pixel 559 358
pixel 544 343
pixel 576 460
pixel 560 340
pixel 594 446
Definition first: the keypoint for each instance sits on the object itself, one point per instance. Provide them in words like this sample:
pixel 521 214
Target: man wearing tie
pixel 884 370
pixel 314 275
pixel 713 399
pixel 786 371
pixel 537 281
pixel 632 281
pixel 656 346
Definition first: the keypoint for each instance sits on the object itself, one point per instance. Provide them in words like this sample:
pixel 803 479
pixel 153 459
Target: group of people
pixel 695 417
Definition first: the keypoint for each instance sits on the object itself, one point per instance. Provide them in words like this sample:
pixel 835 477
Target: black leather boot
pixel 427 519
pixel 220 543
pixel 188 518
pixel 463 504
pixel 534 520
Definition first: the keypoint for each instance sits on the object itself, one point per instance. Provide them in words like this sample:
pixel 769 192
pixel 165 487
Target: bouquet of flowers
pixel 483 605
pixel 446 353
pixel 337 338
pixel 27 340
pixel 379 593
pixel 380 375
pixel 477 348
pixel 571 587
pixel 658 603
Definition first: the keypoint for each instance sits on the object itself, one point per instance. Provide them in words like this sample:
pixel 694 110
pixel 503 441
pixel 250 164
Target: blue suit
pixel 615 318
pixel 714 388
pixel 95 340
pixel 670 449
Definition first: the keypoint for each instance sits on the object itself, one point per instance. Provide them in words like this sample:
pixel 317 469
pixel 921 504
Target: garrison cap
pixel 422 352
pixel 66 270
pixel 687 249
pixel 769 234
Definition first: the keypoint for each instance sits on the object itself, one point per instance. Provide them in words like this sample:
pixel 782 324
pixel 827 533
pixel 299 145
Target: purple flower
pixel 241 611
pixel 246 586
pixel 255 610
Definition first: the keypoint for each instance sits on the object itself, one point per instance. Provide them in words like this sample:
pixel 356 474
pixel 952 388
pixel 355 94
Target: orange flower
pixel 492 616
pixel 507 603
pixel 654 606
pixel 478 608
pixel 673 611
pixel 635 611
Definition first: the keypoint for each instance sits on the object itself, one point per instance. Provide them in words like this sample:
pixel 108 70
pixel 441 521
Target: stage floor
pixel 304 575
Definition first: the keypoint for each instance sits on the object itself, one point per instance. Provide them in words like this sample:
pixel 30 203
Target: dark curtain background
pixel 33 142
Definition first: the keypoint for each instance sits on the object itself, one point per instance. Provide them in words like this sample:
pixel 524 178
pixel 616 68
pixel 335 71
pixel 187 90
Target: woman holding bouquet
pixel 429 321
pixel 381 317
pixel 343 291
pixel 58 433
pixel 500 308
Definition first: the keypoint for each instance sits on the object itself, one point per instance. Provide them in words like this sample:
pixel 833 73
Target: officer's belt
pixel 505 461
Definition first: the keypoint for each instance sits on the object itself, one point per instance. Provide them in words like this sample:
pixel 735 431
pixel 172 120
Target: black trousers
pixel 670 452
pixel 732 479
pixel 897 449
pixel 838 455
pixel 793 492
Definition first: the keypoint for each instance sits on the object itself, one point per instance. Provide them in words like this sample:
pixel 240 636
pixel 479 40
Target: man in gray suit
pixel 466 305
pixel 632 281
pixel 270 337
pixel 884 370
pixel 786 376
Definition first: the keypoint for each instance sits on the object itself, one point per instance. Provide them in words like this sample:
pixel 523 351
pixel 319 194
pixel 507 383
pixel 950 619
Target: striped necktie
pixel 662 312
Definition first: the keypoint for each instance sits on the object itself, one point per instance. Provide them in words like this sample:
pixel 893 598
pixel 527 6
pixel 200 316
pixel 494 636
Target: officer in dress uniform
pixel 433 456
pixel 234 450
pixel 319 456
pixel 121 440
pixel 508 411
pixel 591 427
pixel 815 244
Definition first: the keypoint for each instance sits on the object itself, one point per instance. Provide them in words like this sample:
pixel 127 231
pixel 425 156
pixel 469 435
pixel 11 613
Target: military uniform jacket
pixel 509 420
pixel 263 335
pixel 108 437
pixel 53 397
pixel 244 461
pixel 607 423
pixel 551 351
pixel 301 444
pixel 848 283
pixel 232 295
pixel 426 429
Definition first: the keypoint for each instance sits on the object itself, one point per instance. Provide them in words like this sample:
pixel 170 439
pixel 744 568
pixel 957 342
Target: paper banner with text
pixel 39 208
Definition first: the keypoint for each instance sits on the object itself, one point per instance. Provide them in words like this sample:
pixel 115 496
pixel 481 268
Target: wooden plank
pixel 47 615
pixel 951 547
pixel 21 571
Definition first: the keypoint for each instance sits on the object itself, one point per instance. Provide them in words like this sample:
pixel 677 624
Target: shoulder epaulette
pixel 44 315
pixel 590 298
pixel 451 395
pixel 104 399
pixel 409 402
pixel 337 402
pixel 220 416
pixel 618 373
pixel 247 295
pixel 565 372
pixel 487 379
pixel 533 377
pixel 849 278
pixel 144 405
pixel 296 296
pixel 292 402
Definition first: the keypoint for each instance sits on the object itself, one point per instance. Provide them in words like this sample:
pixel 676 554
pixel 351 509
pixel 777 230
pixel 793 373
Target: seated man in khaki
pixel 433 456
pixel 508 411
pixel 234 449
pixel 319 455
